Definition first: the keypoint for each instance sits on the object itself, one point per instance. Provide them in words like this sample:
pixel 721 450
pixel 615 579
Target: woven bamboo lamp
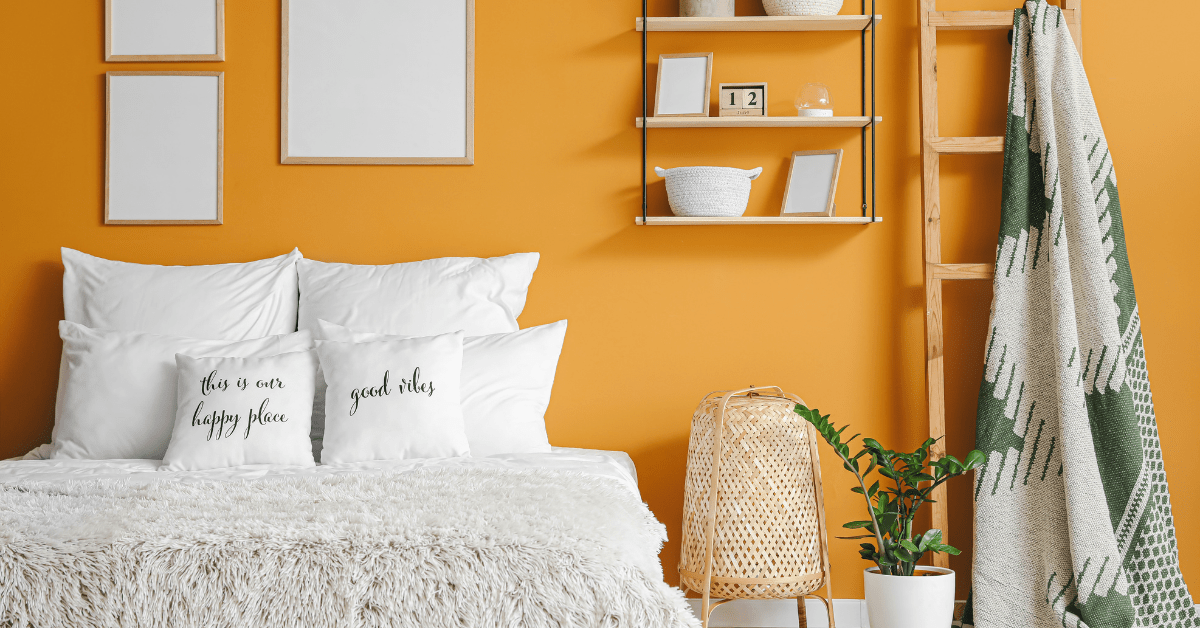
pixel 753 512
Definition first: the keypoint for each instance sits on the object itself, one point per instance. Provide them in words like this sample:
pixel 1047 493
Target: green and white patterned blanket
pixel 1073 521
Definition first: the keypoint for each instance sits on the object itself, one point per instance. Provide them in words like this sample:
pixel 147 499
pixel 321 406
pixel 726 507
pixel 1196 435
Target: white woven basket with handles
pixel 707 191
pixel 802 7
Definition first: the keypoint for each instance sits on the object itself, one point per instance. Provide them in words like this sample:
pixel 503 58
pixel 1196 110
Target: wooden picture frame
pixel 181 15
pixel 676 99
pixel 158 166
pixel 815 183
pixel 440 56
pixel 742 99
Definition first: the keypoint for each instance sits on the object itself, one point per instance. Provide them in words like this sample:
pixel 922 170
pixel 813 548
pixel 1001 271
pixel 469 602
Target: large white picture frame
pixel 377 82
pixel 164 141
pixel 164 30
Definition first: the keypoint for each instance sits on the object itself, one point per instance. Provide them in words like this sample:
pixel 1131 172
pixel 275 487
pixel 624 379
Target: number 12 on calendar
pixel 743 99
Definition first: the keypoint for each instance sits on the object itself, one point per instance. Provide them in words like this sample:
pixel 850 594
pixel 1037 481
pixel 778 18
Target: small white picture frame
pixel 812 183
pixel 164 30
pixel 164 137
pixel 684 84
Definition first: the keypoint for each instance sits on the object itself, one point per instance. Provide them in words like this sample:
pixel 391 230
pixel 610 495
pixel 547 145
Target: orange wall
pixel 659 317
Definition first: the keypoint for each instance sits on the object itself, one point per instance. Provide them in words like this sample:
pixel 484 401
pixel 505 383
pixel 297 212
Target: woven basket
pixel 753 515
pixel 707 190
pixel 802 7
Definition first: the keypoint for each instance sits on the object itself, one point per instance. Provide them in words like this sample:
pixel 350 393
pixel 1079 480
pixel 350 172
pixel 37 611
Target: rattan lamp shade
pixel 753 515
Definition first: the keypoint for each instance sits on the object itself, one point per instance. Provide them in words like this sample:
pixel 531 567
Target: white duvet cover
pixel 614 464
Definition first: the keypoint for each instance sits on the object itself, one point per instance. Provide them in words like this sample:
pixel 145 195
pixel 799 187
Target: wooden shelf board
pixel 762 23
pixel 727 122
pixel 671 221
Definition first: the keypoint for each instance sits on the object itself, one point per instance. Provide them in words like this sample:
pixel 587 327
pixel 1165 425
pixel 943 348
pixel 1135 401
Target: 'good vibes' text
pixel 414 385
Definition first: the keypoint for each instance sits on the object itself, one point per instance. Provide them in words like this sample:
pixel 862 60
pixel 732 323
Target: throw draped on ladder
pixel 1072 516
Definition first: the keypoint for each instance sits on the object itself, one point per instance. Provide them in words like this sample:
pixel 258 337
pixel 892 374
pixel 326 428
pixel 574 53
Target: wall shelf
pixel 762 23
pixel 680 221
pixel 716 122
pixel 863 24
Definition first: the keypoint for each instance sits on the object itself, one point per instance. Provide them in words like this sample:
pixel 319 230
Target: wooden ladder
pixel 933 146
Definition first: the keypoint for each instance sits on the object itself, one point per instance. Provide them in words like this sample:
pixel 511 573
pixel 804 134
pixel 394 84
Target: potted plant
pixel 897 597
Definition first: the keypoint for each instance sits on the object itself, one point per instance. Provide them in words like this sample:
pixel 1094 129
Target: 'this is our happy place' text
pixel 222 424
pixel 412 385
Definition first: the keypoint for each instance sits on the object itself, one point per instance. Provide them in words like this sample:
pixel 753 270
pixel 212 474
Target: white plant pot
pixel 917 601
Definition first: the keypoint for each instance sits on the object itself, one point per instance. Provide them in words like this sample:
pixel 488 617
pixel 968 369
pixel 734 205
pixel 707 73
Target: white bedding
pixel 613 464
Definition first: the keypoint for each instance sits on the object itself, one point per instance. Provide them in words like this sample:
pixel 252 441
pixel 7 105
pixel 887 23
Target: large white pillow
pixel 506 384
pixel 393 399
pixel 438 296
pixel 236 411
pixel 221 301
pixel 116 389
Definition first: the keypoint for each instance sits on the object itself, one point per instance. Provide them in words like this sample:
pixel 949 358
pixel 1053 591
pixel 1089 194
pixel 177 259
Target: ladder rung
pixel 963 271
pixel 967 145
pixel 971 20
pixel 982 20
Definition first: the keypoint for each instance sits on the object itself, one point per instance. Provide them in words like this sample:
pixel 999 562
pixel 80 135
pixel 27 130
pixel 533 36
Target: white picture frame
pixel 812 183
pixel 377 82
pixel 164 30
pixel 164 143
pixel 684 84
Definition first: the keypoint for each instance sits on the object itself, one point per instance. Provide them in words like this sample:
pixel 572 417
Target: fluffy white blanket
pixel 436 547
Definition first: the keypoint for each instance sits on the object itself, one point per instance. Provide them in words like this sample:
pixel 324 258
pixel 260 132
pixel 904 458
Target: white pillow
pixel 116 389
pixel 506 384
pixel 236 411
pixel 437 296
pixel 222 301
pixel 393 399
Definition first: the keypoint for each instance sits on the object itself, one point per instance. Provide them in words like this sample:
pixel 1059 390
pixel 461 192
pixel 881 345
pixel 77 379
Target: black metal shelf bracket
pixel 645 98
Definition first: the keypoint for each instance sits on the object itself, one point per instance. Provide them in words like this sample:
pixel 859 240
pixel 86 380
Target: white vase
pixel 917 601
pixel 705 8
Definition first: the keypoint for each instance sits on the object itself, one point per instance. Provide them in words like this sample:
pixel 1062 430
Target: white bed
pixel 546 539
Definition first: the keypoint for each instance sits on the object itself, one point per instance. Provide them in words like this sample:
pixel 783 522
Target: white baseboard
pixel 782 614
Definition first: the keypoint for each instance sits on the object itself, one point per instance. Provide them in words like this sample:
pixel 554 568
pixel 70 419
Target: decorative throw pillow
pixel 236 411
pixel 437 296
pixel 393 399
pixel 116 389
pixel 506 384
pixel 222 301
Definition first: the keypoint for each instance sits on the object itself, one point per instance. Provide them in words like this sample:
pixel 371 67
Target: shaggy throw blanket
pixel 1073 522
pixel 438 547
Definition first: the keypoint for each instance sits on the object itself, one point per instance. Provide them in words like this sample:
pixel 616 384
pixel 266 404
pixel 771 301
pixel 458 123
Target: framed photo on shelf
pixel 742 99
pixel 684 84
pixel 812 183
pixel 164 133
pixel 159 30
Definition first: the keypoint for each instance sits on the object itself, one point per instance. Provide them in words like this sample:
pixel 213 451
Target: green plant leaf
pixel 953 551
pixel 908 545
pixel 853 525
